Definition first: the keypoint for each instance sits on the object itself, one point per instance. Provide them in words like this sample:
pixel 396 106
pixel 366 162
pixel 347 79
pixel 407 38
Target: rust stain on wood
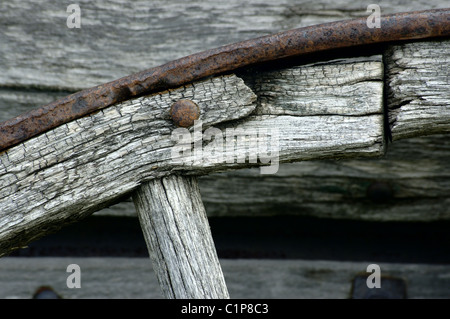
pixel 340 34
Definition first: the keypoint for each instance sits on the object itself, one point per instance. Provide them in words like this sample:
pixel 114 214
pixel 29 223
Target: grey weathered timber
pixel 417 86
pixel 71 59
pixel 416 169
pixel 40 57
pixel 78 168
pixel 124 278
pixel 122 37
pixel 419 182
pixel 41 181
pixel 419 187
pixel 176 230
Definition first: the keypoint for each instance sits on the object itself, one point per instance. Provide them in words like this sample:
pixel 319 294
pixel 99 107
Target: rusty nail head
pixel 184 113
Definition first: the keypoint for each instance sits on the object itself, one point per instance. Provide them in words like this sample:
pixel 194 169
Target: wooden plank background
pixel 42 59
pixel 120 37
pixel 274 279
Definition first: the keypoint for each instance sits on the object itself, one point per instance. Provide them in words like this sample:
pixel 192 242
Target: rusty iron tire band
pixel 334 35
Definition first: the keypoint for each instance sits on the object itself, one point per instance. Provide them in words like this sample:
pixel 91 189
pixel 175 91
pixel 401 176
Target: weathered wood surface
pixel 42 182
pixel 66 170
pixel 180 244
pixel 419 187
pixel 416 170
pixel 72 171
pixel 25 75
pixel 419 183
pixel 124 278
pixel 418 94
pixel 122 37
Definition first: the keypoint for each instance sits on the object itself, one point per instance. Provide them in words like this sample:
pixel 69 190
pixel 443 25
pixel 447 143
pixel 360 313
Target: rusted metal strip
pixel 340 34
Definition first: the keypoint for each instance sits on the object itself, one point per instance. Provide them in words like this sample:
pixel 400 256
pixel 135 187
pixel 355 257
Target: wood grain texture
pixel 415 169
pixel 74 170
pixel 346 87
pixel 246 278
pixel 88 164
pixel 419 182
pixel 417 86
pixel 178 238
pixel 52 181
pixel 419 185
pixel 120 37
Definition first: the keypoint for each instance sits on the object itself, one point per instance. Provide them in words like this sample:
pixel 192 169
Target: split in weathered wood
pixel 417 86
pixel 416 187
pixel 415 169
pixel 66 174
pixel 178 238
pixel 76 169
pixel 315 111
pixel 419 186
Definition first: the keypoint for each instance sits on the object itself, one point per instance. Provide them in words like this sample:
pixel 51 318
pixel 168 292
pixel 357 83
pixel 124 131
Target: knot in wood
pixel 184 113
pixel 380 192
